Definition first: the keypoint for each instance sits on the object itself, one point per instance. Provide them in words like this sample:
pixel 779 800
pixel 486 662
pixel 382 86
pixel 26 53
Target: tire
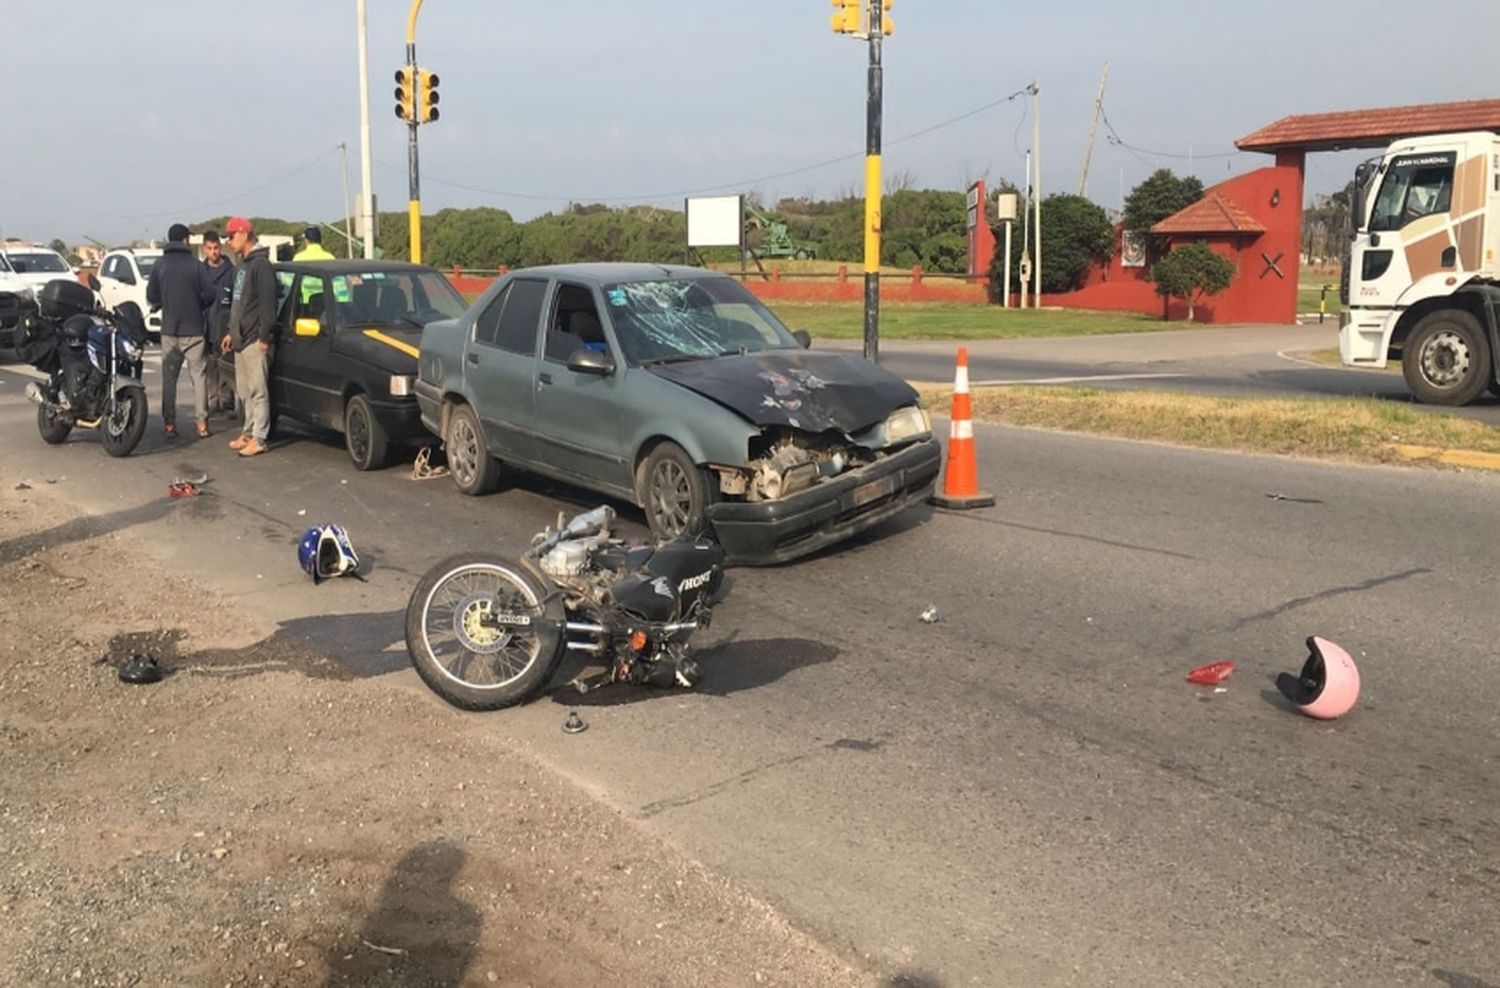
pixel 675 493
pixel 53 429
pixel 364 437
pixel 1446 359
pixel 473 469
pixel 477 666
pixel 122 430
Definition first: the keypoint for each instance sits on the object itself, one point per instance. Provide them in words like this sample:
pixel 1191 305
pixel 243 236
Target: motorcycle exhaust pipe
pixel 34 393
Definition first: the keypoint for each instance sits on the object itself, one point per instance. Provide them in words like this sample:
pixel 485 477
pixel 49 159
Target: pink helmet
pixel 1329 683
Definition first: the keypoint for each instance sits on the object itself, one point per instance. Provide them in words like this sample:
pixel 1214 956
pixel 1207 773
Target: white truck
pixel 1421 282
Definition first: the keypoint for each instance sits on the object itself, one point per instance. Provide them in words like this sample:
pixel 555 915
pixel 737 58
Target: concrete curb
pixel 1472 459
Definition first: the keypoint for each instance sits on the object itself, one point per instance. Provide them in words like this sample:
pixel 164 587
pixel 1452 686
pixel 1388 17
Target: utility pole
pixel 367 193
pixel 413 182
pixel 344 171
pixel 1088 151
pixel 1036 153
pixel 866 19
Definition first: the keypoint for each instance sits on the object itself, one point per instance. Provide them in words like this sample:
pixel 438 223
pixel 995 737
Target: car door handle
pixel 473 357
pixel 544 378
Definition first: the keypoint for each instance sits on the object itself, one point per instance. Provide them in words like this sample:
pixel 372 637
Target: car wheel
pixel 675 493
pixel 1446 360
pixel 473 469
pixel 364 436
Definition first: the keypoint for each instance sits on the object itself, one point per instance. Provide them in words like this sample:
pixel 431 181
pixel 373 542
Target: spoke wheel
pixel 674 492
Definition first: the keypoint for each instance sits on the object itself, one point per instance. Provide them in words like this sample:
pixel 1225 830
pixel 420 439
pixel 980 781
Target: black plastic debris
pixel 141 669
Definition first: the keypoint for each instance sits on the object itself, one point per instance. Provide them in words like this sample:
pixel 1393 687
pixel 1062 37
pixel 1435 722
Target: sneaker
pixel 253 447
pixel 238 442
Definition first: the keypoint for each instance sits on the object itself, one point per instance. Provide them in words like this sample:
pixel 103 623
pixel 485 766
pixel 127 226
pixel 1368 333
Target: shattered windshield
pixel 659 321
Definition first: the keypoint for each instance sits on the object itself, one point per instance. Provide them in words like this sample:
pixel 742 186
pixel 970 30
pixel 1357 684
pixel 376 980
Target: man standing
pixel 252 333
pixel 180 286
pixel 312 249
pixel 221 273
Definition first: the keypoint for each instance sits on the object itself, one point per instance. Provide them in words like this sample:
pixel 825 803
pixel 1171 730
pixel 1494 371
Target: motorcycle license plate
pixel 873 491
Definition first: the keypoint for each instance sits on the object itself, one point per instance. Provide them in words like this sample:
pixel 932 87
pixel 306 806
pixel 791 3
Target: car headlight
pixel 401 385
pixel 906 424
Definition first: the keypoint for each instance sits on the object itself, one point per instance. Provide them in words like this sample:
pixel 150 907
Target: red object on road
pixel 184 488
pixel 1212 674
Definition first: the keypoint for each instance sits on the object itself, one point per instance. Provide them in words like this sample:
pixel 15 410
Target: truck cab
pixel 1422 277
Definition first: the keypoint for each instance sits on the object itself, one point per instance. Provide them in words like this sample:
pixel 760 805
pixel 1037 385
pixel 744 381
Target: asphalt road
pixel 1026 792
pixel 1252 360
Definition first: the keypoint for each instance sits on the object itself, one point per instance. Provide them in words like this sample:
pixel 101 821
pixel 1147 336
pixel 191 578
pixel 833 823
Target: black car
pixel 348 336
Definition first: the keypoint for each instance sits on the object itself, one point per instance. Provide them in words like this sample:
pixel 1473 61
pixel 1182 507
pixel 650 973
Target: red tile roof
pixel 1372 128
pixel 1214 213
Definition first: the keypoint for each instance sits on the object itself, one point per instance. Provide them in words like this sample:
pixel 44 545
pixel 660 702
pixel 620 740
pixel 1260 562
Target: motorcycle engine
pixel 566 559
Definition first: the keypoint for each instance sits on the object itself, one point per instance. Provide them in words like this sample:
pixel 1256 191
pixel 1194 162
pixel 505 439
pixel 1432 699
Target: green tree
pixel 58 245
pixel 1191 272
pixel 1158 197
pixel 1076 234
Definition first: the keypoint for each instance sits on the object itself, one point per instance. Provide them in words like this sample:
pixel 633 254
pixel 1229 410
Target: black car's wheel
pixel 483 634
pixel 125 424
pixel 364 436
pixel 1446 359
pixel 53 429
pixel 473 469
pixel 675 492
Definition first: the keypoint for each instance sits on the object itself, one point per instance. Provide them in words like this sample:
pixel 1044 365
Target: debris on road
pixel 183 488
pixel 23 486
pixel 423 468
pixel 141 669
pixel 325 552
pixel 930 614
pixel 1328 684
pixel 1213 673
pixel 1293 500
pixel 575 724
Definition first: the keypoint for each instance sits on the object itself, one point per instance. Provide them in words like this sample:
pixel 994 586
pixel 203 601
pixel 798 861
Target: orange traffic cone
pixel 961 477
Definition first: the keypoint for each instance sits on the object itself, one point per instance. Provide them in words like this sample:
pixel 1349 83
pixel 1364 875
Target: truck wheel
pixel 364 436
pixel 473 469
pixel 675 493
pixel 1446 359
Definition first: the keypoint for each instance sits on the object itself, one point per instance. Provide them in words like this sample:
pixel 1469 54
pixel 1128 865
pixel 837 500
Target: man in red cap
pixel 252 333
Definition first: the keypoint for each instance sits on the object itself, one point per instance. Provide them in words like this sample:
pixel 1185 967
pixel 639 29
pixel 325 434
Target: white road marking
pixel 1075 380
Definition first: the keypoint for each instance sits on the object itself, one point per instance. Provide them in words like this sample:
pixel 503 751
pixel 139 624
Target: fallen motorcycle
pixel 93 362
pixel 485 633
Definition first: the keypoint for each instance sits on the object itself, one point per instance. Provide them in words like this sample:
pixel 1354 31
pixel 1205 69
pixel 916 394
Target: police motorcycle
pixel 93 361
pixel 485 633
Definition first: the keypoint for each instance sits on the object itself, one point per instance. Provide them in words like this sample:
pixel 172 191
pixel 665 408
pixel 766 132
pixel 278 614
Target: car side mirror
pixel 94 283
pixel 804 337
pixel 586 360
pixel 307 327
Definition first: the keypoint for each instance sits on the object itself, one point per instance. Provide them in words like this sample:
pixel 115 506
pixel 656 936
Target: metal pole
pixel 1036 146
pixel 413 180
pixel 1024 274
pixel 1088 153
pixel 1005 299
pixel 348 234
pixel 872 187
pixel 367 194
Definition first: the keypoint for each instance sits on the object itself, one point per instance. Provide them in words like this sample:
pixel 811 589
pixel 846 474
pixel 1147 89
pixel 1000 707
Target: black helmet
pixel 141 669
pixel 75 329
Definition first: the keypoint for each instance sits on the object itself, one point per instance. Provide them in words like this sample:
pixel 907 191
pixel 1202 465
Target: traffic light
pixel 406 93
pixel 847 18
pixel 886 25
pixel 427 96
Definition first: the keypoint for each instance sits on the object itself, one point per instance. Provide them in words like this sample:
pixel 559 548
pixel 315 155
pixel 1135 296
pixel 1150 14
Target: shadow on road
pixel 82 529
pixel 420 933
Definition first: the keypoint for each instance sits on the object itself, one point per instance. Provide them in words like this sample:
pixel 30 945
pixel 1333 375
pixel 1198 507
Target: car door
pixel 500 367
pixel 115 277
pixel 579 414
pixel 307 385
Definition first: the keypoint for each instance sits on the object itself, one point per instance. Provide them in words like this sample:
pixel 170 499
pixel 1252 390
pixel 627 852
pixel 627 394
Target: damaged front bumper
pixel 766 532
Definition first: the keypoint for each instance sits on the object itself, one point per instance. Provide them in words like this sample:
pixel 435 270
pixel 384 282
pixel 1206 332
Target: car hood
pixel 392 348
pixel 13 282
pixel 813 392
pixel 36 279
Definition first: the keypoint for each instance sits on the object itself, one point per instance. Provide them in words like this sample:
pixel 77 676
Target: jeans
pixel 251 367
pixel 178 352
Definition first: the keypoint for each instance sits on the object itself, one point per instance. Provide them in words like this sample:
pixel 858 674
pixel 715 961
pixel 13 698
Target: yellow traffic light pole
pixel 413 184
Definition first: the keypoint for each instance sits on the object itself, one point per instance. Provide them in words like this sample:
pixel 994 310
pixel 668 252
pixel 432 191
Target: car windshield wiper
pixel 674 358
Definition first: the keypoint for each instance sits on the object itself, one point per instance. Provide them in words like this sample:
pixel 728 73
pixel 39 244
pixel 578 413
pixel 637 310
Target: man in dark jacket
pixel 252 334
pixel 181 288
pixel 221 272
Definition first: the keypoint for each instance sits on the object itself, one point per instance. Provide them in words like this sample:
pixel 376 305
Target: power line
pixel 1118 141
pixel 712 188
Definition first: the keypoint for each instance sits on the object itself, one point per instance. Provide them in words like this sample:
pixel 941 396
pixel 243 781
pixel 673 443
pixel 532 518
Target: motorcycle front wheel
pixel 483 633
pixel 125 423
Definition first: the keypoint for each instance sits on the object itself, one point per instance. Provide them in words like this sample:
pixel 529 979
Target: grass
pixel 938 321
pixel 1309 293
pixel 1358 429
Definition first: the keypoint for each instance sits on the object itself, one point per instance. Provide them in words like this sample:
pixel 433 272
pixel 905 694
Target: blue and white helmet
pixel 325 552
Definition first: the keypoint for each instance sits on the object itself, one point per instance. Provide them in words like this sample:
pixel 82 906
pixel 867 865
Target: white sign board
pixel 715 221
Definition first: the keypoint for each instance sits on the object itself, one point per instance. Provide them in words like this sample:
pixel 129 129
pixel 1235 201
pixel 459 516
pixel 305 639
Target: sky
pixel 183 110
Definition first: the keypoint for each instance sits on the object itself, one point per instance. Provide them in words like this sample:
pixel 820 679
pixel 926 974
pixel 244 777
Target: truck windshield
pixel 691 319
pixel 38 263
pixel 1415 186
